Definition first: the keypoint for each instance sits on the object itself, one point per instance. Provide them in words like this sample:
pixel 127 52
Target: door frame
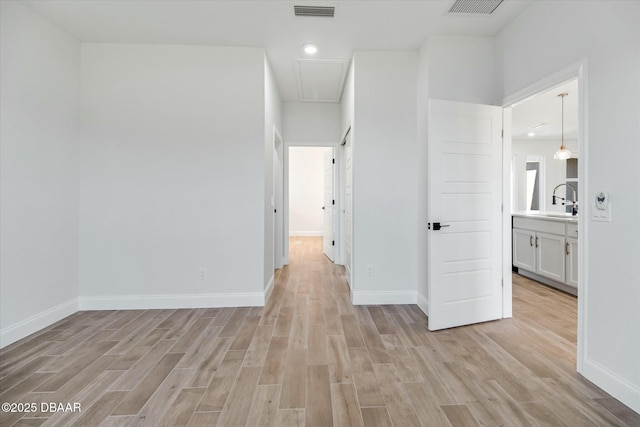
pixel 278 217
pixel 338 192
pixel 576 70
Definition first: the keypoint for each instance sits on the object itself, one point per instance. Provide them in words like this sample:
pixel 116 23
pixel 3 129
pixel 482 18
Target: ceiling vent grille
pixel 315 11
pixel 475 7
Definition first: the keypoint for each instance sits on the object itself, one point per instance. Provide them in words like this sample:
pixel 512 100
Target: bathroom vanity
pixel 545 248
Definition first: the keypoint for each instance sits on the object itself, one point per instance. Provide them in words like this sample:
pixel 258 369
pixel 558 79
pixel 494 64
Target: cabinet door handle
pixel 567 246
pixel 537 241
pixel 530 240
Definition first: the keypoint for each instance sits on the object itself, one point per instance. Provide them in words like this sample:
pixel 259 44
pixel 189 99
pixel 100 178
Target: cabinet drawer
pixel 572 230
pixel 552 227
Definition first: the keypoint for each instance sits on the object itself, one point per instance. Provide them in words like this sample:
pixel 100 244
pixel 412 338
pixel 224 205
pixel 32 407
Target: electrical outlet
pixel 203 273
pixel 369 270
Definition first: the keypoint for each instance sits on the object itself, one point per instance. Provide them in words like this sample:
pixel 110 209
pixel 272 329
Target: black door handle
pixel 437 225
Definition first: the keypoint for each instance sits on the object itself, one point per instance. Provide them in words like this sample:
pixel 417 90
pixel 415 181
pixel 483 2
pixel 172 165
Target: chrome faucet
pixel 574 202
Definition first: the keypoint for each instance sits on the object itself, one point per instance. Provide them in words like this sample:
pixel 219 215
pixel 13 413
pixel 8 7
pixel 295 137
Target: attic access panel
pixel 320 80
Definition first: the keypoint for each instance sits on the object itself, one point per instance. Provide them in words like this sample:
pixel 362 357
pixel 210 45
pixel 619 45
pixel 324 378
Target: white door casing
pixel 465 198
pixel 329 205
pixel 277 201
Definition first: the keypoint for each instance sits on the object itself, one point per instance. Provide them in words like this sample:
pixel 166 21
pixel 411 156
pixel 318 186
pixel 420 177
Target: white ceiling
pixel 358 24
pixel 546 107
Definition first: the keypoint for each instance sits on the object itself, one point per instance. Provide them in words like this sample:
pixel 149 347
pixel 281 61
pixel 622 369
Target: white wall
pixel 384 177
pixel 347 101
pixel 555 170
pixel 422 199
pixel 172 176
pixel 39 100
pixel 452 68
pixel 607 35
pixel 462 68
pixel 272 118
pixel 311 122
pixel 306 190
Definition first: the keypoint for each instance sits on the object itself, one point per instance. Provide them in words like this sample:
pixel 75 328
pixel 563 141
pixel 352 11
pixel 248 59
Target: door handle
pixel 438 226
pixel 531 241
pixel 537 241
pixel 567 246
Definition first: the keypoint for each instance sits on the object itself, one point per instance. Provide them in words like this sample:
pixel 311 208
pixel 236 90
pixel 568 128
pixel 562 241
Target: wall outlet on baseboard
pixel 203 273
pixel 370 270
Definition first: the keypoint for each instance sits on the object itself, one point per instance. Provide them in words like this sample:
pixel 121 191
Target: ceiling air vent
pixel 315 11
pixel 475 7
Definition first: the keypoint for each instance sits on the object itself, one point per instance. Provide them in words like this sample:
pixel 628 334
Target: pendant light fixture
pixel 562 153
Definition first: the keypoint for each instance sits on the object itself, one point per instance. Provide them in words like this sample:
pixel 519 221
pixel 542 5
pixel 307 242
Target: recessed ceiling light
pixel 310 49
pixel 531 134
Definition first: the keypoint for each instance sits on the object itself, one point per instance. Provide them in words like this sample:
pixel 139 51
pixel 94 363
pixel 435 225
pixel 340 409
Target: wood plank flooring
pixel 308 358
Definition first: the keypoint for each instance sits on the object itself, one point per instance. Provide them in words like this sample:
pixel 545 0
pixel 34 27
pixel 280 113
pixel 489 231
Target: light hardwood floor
pixel 309 358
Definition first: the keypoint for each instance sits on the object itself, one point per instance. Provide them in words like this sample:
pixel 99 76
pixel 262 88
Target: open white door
pixel 465 214
pixel 329 205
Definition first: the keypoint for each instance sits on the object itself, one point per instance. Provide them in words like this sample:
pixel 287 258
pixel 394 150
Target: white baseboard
pixel 423 303
pixel 39 321
pixel 305 233
pixel 384 297
pixel 268 289
pixel 147 302
pixel 617 387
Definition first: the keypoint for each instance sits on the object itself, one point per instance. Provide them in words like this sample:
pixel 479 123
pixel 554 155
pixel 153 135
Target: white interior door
pixel 348 208
pixel 465 199
pixel 328 242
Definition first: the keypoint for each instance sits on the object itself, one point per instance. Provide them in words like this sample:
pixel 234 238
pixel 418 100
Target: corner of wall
pixel 39 321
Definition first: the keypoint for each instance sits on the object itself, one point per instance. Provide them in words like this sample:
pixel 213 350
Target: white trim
pixel 423 304
pixel 579 70
pixel 507 285
pixel 268 289
pixel 280 258
pixel 384 297
pixel 556 79
pixel 146 302
pixel 37 322
pixel 338 254
pixel 619 388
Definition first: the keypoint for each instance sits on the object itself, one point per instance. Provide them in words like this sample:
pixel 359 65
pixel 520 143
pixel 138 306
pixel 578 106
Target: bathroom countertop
pixel 549 216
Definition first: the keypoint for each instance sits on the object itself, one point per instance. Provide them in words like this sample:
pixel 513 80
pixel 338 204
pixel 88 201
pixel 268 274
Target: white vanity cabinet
pixel 524 251
pixel 547 248
pixel 550 260
pixel 571 254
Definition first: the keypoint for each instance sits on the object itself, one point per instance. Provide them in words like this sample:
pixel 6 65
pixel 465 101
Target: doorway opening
pixel 312 193
pixel 544 233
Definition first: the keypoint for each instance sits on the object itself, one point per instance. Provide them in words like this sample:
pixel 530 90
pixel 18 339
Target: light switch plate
pixel 601 213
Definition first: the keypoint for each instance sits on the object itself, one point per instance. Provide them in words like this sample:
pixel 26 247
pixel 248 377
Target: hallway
pixel 309 358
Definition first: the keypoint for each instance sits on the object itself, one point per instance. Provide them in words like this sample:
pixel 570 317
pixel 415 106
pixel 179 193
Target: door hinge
pixel 502 282
pixel 333 243
pixel 502 133
pixel 333 161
